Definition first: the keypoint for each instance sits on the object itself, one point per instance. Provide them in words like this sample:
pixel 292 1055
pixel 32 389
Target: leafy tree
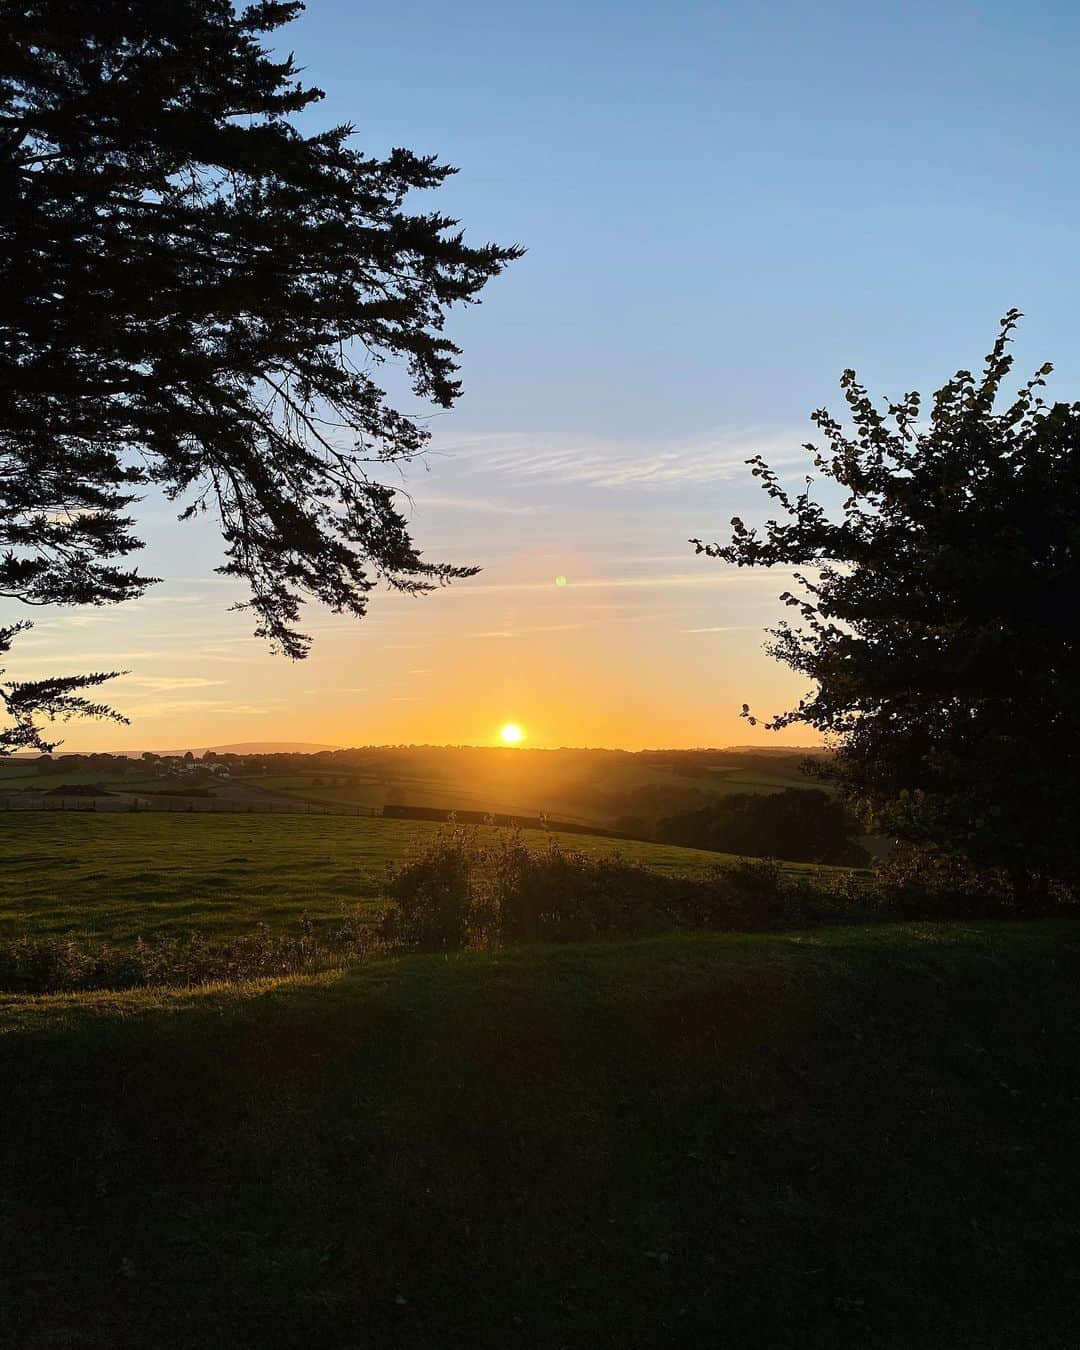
pixel 799 824
pixel 194 296
pixel 936 615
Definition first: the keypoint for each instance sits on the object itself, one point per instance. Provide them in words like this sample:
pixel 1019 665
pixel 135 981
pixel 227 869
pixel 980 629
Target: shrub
pixel 926 882
pixel 561 895
pixel 434 893
pixel 467 889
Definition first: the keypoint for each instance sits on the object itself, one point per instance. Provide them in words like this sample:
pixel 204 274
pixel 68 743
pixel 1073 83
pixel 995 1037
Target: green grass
pixel 362 792
pixel 11 770
pixel 856 1137
pixel 123 876
pixel 853 1138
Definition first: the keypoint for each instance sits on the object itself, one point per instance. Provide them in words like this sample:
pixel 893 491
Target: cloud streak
pixel 169 707
pixel 481 505
pixel 590 462
pixel 527 632
pixel 167 683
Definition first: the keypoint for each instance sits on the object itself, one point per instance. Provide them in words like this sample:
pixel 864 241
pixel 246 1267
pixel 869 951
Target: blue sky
pixel 724 205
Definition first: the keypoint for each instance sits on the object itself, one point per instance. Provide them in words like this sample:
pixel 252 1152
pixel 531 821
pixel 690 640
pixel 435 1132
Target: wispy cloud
pixel 482 505
pixel 616 464
pixel 211 579
pixel 167 707
pixel 86 659
pixel 527 631
pixel 726 628
pixel 341 689
pixel 158 601
pixel 165 683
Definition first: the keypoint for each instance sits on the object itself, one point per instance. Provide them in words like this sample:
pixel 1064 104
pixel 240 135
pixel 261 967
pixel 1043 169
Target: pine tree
pixel 194 295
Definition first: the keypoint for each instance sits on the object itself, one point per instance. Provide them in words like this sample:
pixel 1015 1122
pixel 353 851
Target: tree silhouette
pixel 194 295
pixel 937 620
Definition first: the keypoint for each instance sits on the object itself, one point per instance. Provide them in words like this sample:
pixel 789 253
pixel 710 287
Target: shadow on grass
pixel 862 1138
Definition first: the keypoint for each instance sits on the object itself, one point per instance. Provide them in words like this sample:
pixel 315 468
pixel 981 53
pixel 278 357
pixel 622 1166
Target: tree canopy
pixel 195 296
pixel 935 614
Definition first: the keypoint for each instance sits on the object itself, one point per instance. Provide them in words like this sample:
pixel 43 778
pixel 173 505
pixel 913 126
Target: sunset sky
pixel 724 206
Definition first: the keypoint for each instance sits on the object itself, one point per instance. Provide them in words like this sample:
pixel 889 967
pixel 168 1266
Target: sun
pixel 511 734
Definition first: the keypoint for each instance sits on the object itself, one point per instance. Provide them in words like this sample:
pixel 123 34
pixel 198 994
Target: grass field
pixel 124 876
pixel 860 1138
pixel 519 783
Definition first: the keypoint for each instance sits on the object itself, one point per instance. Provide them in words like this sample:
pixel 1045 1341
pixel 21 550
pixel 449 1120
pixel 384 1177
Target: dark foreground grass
pixel 856 1138
pixel 120 877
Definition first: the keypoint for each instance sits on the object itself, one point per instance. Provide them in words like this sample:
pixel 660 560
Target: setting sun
pixel 511 734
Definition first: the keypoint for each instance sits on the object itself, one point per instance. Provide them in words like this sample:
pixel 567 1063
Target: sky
pixel 724 205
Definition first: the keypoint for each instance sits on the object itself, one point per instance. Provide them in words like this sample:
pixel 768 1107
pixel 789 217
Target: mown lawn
pixel 121 876
pixel 860 1138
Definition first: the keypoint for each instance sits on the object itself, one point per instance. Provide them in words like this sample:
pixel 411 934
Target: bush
pixel 928 882
pixel 434 893
pixel 467 889
pixel 563 895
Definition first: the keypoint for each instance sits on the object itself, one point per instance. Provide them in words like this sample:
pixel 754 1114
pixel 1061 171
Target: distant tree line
pixel 797 824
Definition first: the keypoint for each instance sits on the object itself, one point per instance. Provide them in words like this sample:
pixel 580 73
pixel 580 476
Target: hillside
pixel 865 1138
pixel 263 748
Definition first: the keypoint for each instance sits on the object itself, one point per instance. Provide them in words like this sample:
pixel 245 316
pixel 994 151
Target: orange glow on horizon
pixel 629 661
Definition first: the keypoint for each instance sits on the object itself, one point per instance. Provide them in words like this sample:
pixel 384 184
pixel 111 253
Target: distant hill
pixel 265 748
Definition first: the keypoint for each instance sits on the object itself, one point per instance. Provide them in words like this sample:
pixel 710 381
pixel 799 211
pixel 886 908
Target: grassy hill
pixel 858 1138
pixel 124 876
